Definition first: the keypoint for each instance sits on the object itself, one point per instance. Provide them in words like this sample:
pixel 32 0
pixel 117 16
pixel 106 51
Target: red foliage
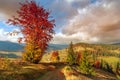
pixel 79 57
pixel 97 64
pixel 34 23
pixel 19 39
pixel 55 54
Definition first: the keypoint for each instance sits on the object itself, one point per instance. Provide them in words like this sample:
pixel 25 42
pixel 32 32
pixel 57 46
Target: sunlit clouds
pixel 100 22
pixel 5 36
pixel 91 21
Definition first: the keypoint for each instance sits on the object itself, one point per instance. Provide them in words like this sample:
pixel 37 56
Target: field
pixel 110 60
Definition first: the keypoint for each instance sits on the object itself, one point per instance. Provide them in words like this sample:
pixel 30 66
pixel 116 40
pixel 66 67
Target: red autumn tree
pixel 37 28
pixel 97 64
pixel 55 56
pixel 79 57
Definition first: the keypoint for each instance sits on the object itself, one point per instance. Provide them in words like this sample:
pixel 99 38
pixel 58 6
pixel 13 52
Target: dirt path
pixel 60 74
pixel 54 75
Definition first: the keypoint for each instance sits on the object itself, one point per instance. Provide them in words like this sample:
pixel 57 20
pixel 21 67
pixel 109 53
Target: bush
pixel 33 54
pixel 55 56
pixel 78 58
pixel 7 64
pixel 109 68
pixel 97 64
pixel 118 70
pixel 106 66
pixel 69 71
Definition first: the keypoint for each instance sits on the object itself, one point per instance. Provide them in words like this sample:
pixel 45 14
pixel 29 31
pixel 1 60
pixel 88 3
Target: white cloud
pixel 72 0
pixel 4 36
pixel 77 37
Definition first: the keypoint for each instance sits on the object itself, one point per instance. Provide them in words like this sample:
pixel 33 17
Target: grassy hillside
pixel 100 49
pixel 20 70
pixel 14 50
pixel 52 47
pixel 49 70
pixel 10 54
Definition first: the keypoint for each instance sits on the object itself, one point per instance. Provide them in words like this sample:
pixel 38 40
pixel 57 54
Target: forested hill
pixel 11 47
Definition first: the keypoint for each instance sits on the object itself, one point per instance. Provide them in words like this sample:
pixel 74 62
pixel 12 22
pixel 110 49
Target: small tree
pixel 71 55
pixel 85 66
pixel 118 70
pixel 106 66
pixel 97 64
pixel 79 57
pixel 55 56
pixel 37 28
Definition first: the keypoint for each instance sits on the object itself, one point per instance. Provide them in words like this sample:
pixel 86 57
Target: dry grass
pixel 49 71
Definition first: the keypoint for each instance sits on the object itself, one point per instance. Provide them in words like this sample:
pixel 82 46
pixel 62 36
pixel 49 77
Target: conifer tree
pixel 71 55
pixel 85 66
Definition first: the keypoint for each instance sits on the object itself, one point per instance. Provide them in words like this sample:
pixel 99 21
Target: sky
pixel 91 21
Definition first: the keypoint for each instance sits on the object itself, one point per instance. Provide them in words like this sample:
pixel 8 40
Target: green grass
pixel 110 59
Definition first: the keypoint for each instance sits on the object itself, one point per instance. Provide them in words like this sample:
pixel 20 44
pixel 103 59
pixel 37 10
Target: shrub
pixel 97 64
pixel 101 64
pixel 69 71
pixel 33 54
pixel 118 70
pixel 106 66
pixel 109 68
pixel 55 56
pixel 78 58
pixel 7 64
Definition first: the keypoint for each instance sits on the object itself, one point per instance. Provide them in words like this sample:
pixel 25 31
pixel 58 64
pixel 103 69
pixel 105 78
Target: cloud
pixel 8 8
pixel 100 20
pixel 60 38
pixel 66 9
pixel 5 37
pixel 62 10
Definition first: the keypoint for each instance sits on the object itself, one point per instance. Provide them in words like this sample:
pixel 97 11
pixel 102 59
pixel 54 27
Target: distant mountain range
pixel 116 44
pixel 13 50
pixel 13 47
pixel 10 46
pixel 56 47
